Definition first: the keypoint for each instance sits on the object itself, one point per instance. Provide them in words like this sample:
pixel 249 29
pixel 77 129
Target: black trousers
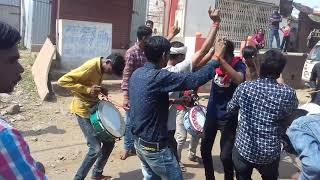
pixel 172 143
pixel 228 131
pixel 285 43
pixel 244 168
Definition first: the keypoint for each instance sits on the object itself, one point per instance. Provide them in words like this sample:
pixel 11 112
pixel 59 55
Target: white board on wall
pixel 79 41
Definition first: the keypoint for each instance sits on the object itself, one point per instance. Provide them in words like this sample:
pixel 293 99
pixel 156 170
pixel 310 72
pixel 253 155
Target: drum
pixel 194 120
pixel 107 122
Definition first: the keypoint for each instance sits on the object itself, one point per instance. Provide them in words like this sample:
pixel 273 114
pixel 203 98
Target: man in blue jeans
pixel 149 88
pixel 85 83
pixel 274 29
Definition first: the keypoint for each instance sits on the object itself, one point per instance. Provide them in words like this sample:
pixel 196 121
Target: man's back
pixel 263 103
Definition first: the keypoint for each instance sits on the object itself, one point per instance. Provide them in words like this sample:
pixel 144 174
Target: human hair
pixel 229 48
pixel 117 62
pixel 9 36
pixel 155 47
pixel 149 22
pixel 249 52
pixel 176 44
pixel 272 65
pixel 143 31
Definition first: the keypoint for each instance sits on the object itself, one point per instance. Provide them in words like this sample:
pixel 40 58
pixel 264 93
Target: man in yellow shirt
pixel 85 84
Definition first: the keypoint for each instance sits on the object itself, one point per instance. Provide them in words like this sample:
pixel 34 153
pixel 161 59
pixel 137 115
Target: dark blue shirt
pixel 275 21
pixel 148 91
pixel 220 96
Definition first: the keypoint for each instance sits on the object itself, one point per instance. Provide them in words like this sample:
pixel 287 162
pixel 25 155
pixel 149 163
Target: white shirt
pixel 182 67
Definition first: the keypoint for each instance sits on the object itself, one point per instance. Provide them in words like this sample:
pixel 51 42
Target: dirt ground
pixel 55 138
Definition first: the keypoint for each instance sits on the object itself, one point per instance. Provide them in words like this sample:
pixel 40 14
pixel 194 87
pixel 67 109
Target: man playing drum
pixel 85 83
pixel 149 99
pixel 177 63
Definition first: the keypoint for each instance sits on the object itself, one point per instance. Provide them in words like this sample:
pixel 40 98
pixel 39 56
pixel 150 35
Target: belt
pixel 151 146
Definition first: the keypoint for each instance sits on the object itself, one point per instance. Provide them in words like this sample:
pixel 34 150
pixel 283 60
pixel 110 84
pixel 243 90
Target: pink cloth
pixel 286 31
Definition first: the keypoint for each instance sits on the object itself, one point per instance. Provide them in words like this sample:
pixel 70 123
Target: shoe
pixel 102 177
pixel 195 158
pixel 183 169
pixel 127 154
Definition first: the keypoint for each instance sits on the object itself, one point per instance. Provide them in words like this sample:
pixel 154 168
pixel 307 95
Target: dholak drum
pixel 107 122
pixel 194 120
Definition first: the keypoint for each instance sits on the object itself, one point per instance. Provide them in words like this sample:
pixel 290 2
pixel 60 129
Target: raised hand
pixel 214 15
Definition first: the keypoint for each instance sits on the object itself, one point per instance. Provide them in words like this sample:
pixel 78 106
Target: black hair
pixel 229 48
pixel 117 62
pixel 149 22
pixel 248 52
pixel 143 31
pixel 9 36
pixel 176 44
pixel 272 65
pixel 155 47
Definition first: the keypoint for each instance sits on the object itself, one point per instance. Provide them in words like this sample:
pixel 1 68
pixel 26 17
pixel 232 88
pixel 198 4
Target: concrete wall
pixel 196 17
pixel 10 15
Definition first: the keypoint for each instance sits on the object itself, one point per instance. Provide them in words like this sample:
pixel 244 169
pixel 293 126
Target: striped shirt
pixel 15 158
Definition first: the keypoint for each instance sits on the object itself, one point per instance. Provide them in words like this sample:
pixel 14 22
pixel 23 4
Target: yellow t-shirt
pixel 79 82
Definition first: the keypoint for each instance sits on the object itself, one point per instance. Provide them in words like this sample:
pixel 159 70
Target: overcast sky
pixel 315 4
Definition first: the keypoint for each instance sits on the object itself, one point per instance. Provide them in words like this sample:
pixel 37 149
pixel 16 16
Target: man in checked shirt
pixel 262 105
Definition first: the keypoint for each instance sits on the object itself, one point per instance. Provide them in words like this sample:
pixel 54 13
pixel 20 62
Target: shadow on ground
pixel 47 130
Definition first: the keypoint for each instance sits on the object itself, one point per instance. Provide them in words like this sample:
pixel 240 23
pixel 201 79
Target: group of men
pixel 251 111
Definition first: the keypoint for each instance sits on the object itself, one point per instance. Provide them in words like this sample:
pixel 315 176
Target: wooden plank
pixel 41 68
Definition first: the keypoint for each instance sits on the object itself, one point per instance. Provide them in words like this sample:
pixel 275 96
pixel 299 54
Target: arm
pixel 127 72
pixel 206 58
pixel 305 144
pixel 236 77
pixel 198 59
pixel 175 31
pixel 17 150
pixel 171 82
pixel 71 80
pixel 313 77
pixel 233 104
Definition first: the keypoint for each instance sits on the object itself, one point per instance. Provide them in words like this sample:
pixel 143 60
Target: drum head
pixel 197 117
pixel 111 119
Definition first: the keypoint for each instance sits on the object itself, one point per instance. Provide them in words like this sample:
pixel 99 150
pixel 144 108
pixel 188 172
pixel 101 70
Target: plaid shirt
pixel 15 159
pixel 262 103
pixel 135 58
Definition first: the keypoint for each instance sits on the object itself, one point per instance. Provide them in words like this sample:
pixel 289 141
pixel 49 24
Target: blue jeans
pixel 96 153
pixel 274 33
pixel 128 136
pixel 158 165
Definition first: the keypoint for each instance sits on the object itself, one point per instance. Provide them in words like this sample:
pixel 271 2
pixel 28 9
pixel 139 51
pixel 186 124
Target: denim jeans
pixel 228 131
pixel 158 165
pixel 274 33
pixel 128 139
pixel 285 43
pixel 181 134
pixel 244 168
pixel 99 151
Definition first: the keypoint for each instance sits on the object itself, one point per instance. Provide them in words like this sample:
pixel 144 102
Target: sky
pixel 315 4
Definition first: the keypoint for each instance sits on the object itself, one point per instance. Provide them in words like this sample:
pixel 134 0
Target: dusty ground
pixel 55 138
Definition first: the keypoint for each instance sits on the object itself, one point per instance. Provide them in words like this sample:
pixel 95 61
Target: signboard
pixel 79 41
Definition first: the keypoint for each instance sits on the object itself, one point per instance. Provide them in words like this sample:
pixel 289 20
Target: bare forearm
pixel 197 59
pixel 206 58
pixel 236 77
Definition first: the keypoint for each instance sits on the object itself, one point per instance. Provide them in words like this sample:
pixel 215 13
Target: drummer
pixel 85 84
pixel 177 63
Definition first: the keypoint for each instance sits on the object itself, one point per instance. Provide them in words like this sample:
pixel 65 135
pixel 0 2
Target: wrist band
pixel 216 24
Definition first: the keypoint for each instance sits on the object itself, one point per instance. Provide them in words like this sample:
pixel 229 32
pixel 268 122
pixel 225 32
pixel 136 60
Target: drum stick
pixel 311 92
pixel 106 98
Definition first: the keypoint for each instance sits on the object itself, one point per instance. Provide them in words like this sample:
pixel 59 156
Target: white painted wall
pixel 79 41
pixel 196 17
